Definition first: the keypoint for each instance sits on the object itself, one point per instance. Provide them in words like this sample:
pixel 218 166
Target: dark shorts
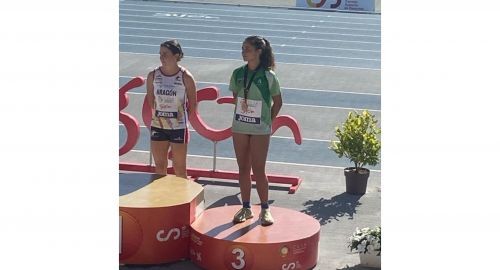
pixel 171 135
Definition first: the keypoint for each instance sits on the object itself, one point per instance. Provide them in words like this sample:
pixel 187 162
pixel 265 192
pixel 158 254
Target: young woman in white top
pixel 171 92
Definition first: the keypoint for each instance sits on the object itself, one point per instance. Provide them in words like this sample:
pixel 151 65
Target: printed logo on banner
pixel 195 254
pixel 288 266
pixel 291 266
pixel 174 234
pixel 174 231
pixel 311 3
pixel 336 4
pixel 196 239
pixel 321 3
pixel 284 251
pixel 357 5
pixel 184 231
pixel 299 248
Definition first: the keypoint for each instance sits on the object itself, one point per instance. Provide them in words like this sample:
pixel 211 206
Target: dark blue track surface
pixel 347 40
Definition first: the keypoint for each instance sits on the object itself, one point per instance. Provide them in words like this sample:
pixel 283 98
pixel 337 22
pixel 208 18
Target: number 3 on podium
pixel 241 262
pixel 238 258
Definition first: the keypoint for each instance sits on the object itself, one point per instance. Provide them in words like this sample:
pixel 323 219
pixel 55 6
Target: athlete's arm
pixel 275 109
pixel 150 97
pixel 190 85
pixel 235 96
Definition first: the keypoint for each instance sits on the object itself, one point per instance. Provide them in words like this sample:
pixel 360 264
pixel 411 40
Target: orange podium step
pixel 155 219
pixel 290 243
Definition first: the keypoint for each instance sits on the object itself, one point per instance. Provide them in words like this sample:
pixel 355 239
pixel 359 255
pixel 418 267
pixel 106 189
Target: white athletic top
pixel 170 106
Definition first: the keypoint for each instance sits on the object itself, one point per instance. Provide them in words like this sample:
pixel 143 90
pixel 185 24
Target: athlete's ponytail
pixel 267 55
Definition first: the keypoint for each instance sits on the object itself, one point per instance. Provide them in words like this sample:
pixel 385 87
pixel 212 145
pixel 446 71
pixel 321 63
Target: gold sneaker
pixel 242 215
pixel 265 217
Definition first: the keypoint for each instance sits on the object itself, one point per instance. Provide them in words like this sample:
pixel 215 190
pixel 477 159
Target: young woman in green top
pixel 258 100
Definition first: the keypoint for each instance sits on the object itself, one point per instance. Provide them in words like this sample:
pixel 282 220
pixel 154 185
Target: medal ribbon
pixel 246 88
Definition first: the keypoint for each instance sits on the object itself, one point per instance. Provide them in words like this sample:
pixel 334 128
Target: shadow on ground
pixel 225 183
pixel 227 200
pixel 182 265
pixel 357 267
pixel 230 200
pixel 130 182
pixel 325 210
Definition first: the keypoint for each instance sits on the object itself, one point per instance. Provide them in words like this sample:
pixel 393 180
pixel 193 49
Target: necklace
pixel 246 88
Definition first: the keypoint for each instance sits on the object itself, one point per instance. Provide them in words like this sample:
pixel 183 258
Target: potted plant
pixel 368 243
pixel 359 143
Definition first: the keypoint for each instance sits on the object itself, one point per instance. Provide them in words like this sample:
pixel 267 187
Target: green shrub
pixel 358 139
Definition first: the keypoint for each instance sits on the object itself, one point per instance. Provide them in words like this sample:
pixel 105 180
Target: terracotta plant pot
pixel 356 181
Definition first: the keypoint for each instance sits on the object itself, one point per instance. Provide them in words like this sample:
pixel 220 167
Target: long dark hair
pixel 267 55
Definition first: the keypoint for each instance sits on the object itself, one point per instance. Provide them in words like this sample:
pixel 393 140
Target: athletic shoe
pixel 265 217
pixel 242 215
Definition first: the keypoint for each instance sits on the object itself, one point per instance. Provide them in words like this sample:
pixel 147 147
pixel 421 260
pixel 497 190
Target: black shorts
pixel 171 135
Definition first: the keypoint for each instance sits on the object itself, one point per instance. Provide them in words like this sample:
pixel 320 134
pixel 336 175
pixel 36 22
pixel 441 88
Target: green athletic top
pixel 254 116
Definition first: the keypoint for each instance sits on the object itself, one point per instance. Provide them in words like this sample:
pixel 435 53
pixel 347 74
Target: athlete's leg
pixel 259 145
pixel 160 155
pixel 179 152
pixel 241 143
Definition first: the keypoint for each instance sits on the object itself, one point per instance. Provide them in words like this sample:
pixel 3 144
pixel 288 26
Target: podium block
pixel 290 243
pixel 155 219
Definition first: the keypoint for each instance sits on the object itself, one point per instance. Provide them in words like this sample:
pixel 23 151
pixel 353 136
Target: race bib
pixel 249 111
pixel 166 114
pixel 166 107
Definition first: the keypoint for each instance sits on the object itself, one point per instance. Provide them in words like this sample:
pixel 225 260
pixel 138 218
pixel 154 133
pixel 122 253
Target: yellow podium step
pixel 155 219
